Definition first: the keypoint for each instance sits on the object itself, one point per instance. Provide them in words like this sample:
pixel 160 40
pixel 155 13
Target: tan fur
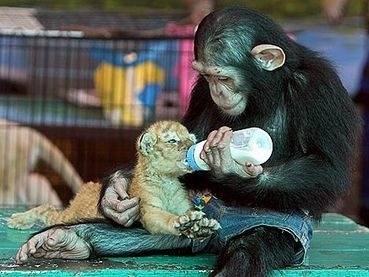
pixel 161 154
pixel 162 197
pixel 83 206
pixel 21 148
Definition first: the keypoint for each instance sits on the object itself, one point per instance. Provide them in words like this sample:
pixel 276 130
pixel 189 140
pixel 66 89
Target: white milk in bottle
pixel 252 145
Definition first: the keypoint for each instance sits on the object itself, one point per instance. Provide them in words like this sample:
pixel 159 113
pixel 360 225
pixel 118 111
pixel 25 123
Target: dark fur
pixel 308 114
pixel 260 250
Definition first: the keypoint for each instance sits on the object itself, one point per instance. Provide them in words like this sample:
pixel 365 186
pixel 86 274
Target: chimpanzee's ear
pixel 146 143
pixel 269 56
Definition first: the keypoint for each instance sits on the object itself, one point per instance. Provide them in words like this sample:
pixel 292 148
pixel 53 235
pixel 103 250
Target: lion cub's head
pixel 163 147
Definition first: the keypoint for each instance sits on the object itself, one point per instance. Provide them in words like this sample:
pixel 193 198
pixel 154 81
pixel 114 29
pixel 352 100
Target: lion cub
pixel 165 206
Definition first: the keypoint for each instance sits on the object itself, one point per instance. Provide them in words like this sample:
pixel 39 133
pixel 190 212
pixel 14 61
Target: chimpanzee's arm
pixel 322 118
pixel 306 183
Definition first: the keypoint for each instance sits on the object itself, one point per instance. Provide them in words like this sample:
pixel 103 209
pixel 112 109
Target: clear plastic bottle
pixel 252 145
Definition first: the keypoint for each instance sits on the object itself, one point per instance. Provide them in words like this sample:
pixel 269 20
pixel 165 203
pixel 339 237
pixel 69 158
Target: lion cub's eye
pixel 172 141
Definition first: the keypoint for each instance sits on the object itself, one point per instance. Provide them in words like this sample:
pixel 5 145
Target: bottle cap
pixel 190 158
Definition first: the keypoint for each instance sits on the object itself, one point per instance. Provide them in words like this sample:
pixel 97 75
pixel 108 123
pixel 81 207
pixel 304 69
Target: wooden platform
pixel 340 248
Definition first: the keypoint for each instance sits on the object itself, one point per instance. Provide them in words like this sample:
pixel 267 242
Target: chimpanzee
pixel 251 74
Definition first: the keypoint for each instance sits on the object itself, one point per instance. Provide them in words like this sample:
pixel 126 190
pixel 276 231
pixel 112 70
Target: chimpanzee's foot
pixel 55 243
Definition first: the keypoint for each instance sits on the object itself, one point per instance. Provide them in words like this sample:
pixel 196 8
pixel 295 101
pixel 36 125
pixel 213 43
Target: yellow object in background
pixel 128 93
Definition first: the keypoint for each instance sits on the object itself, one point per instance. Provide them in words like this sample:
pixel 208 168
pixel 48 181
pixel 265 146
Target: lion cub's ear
pixel 146 143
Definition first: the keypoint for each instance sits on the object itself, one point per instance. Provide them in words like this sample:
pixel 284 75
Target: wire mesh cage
pixel 72 106
pixel 71 80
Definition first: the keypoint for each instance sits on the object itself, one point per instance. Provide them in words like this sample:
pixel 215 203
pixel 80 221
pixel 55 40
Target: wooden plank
pixel 340 248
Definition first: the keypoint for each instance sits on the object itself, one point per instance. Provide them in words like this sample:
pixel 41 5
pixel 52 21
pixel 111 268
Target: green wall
pixel 275 8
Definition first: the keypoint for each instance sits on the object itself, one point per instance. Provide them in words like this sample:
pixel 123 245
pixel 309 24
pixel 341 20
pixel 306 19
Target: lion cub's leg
pixel 157 221
pixel 46 214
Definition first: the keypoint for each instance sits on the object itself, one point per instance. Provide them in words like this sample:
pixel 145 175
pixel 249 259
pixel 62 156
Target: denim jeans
pixel 107 240
pixel 237 220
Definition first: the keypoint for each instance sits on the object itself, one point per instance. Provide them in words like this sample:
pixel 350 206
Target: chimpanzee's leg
pixel 83 240
pixel 106 240
pixel 256 252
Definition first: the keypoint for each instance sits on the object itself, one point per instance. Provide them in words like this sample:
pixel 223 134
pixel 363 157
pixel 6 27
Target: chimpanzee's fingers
pixel 30 247
pixel 253 170
pixel 130 210
pixel 225 140
pixel 215 158
pixel 22 254
pixel 125 217
pixel 226 161
pixel 203 156
pixel 219 136
pixel 127 204
pixel 130 221
pixel 110 199
pixel 40 253
pixel 210 147
pixel 109 203
pixel 216 151
pixel 112 215
pixel 121 189
pixel 209 140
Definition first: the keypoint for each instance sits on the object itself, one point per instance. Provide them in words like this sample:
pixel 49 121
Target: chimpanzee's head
pixel 236 51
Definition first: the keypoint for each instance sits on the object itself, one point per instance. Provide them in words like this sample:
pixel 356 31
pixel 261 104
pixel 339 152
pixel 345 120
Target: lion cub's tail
pixel 82 208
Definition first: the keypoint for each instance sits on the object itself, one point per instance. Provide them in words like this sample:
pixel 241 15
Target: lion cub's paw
pixel 20 221
pixel 203 228
pixel 186 221
pixel 194 224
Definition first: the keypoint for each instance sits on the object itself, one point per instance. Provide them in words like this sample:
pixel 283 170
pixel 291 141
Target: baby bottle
pixel 252 145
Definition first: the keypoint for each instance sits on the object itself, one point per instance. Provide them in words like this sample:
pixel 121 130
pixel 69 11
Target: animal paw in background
pixel 194 224
pixel 21 221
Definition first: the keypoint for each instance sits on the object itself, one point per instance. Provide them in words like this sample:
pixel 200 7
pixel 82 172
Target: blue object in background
pixel 163 53
pixel 345 48
pixel 13 58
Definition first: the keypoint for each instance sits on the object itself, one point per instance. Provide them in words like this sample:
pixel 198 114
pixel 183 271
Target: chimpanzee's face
pixel 223 86
pixel 228 85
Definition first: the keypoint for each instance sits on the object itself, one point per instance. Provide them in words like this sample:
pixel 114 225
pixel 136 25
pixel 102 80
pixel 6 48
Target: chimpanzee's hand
pixel 117 205
pixel 217 154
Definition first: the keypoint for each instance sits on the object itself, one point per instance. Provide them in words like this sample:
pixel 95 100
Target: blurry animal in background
pixel 165 206
pixel 21 148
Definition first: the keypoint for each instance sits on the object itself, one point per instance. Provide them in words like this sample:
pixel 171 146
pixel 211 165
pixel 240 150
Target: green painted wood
pixel 340 248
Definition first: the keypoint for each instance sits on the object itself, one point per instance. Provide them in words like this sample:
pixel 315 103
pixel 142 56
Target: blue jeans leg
pixel 238 220
pixel 108 240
